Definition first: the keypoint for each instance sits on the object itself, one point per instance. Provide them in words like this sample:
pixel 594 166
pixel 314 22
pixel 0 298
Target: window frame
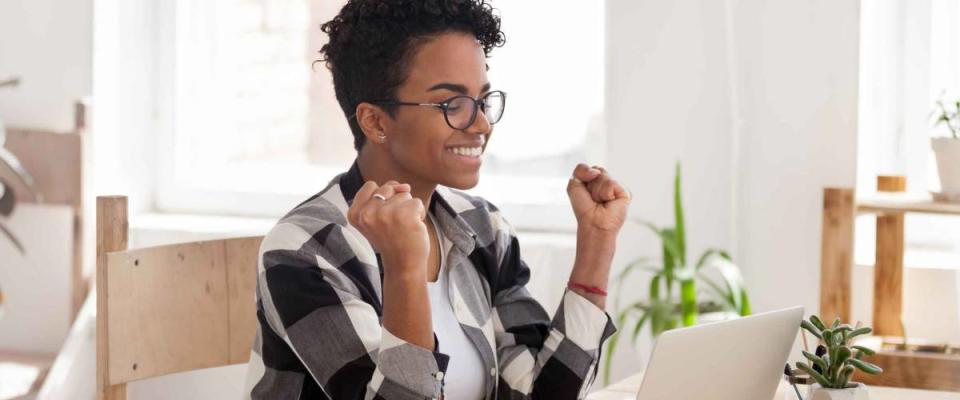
pixel 548 212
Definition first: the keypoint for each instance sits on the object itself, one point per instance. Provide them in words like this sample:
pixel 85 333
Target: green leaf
pixel 720 293
pixel 866 366
pixel 865 350
pixel 857 332
pixel 654 291
pixel 638 326
pixel 817 322
pixel 733 292
pixel 710 253
pixel 843 354
pixel 642 263
pixel 678 218
pixel 812 329
pixel 667 240
pixel 688 302
pixel 668 249
pixel 815 359
pixel 813 373
pixel 622 276
pixel 845 375
pixel 836 322
pixel 744 303
pixel 827 336
pixel 844 327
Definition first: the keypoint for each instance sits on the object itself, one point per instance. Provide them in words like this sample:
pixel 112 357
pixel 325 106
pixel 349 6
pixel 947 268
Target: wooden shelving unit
pixel 840 208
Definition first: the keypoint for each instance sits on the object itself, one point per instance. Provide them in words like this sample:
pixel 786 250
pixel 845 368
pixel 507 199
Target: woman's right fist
pixel 392 220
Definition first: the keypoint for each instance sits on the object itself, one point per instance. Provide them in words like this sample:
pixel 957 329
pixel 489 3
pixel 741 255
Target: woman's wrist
pixel 403 270
pixel 595 250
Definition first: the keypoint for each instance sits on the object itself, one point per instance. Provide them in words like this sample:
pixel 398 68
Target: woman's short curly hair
pixel 372 43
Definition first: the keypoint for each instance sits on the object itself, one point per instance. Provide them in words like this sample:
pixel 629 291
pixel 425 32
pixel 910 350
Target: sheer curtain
pixel 910 58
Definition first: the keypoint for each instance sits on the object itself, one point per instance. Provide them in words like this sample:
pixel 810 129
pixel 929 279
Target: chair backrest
pixel 168 309
pixel 55 162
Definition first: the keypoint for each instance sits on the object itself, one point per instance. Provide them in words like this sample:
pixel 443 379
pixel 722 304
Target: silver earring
pixel 383 138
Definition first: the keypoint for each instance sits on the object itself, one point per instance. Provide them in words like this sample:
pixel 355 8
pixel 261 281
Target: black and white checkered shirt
pixel 319 304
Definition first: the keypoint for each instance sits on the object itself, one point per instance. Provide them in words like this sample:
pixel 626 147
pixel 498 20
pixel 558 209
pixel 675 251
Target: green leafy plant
pixel 836 360
pixel 673 297
pixel 944 116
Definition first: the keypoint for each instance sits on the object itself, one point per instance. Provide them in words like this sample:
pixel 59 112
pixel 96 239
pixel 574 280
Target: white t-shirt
pixel 465 372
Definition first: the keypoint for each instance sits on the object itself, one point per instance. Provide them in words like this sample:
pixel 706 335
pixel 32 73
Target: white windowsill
pixel 158 228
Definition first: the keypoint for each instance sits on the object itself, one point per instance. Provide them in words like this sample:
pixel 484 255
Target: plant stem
pixel 688 301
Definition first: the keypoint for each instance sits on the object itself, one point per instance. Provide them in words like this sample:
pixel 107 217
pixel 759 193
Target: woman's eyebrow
pixel 455 87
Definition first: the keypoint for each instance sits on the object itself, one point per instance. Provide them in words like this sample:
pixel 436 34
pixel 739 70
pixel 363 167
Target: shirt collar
pixel 451 224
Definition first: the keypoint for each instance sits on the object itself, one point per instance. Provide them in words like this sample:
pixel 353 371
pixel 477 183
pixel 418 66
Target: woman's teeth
pixel 467 151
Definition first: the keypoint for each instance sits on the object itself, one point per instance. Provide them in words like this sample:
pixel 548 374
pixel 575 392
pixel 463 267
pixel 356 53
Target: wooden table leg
pixel 836 253
pixel 888 271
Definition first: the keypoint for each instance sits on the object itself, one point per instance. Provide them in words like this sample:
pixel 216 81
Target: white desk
pixel 627 390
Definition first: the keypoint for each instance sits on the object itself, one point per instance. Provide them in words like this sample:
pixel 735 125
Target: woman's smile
pixel 469 156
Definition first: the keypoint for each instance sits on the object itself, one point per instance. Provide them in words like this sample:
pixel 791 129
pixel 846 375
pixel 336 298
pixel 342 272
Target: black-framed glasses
pixel 461 111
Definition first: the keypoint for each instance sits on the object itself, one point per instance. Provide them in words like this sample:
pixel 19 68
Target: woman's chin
pixel 463 181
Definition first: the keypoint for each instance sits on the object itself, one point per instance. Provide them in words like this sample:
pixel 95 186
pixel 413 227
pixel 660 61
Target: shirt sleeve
pixel 318 307
pixel 540 357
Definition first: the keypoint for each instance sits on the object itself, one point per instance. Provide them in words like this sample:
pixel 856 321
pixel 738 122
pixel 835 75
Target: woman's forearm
pixel 406 305
pixel 595 250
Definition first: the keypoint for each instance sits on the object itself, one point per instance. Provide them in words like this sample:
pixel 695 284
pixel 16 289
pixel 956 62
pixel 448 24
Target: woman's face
pixel 419 140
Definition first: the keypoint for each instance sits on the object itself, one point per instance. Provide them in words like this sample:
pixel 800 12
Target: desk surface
pixel 627 390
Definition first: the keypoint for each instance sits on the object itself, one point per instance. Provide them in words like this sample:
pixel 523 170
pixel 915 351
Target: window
pixel 910 58
pixel 253 130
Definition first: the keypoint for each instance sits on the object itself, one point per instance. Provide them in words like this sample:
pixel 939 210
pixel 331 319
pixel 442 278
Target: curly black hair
pixel 372 43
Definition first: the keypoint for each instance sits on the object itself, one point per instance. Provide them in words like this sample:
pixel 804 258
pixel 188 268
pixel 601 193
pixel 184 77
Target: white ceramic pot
pixel 857 393
pixel 947 151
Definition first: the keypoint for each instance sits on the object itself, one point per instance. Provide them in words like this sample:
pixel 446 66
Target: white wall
pixel 48 44
pixel 127 102
pixel 758 100
pixel 798 73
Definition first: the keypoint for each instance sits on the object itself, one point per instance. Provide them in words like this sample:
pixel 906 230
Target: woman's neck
pixel 377 166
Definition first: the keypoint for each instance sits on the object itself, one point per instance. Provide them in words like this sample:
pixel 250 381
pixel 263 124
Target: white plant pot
pixel 857 393
pixel 947 151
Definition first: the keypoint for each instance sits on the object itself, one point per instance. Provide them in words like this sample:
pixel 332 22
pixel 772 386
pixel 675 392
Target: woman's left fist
pixel 599 202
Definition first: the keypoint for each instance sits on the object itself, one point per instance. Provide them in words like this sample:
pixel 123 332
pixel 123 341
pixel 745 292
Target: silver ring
pixel 379 196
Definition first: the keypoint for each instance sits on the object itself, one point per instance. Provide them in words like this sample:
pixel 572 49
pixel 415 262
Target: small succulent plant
pixel 835 360
pixel 950 118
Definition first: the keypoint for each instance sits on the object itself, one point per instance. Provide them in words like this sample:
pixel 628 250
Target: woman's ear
pixel 371 121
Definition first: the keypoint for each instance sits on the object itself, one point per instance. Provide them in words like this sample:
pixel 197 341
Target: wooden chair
pixel 169 309
pixel 54 160
pixel 56 183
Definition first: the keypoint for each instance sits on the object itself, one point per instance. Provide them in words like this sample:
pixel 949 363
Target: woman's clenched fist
pixel 393 222
pixel 599 201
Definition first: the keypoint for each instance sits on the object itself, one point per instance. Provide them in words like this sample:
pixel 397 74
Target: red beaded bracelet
pixel 587 288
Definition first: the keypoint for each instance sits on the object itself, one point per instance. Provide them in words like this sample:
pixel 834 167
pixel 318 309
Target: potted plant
pixel 679 293
pixel 836 360
pixel 947 150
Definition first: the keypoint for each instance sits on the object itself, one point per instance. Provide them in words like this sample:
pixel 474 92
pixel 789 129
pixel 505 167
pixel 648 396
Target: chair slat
pixel 241 256
pixel 168 310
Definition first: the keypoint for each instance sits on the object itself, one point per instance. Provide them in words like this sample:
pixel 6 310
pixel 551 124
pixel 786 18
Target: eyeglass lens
pixel 461 111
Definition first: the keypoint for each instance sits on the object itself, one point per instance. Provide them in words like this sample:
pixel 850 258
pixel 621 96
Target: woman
pixel 392 284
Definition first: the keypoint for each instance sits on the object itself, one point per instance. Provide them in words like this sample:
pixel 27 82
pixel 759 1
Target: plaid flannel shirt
pixel 320 311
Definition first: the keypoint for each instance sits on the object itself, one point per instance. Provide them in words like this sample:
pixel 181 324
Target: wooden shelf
pixel 929 371
pixel 840 207
pixel 898 203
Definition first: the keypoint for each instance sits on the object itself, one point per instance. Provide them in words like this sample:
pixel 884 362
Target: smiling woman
pixel 393 282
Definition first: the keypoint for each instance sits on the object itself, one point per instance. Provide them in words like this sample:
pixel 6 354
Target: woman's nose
pixel 480 124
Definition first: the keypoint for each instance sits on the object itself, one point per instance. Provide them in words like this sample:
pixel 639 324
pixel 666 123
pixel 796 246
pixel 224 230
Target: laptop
pixel 740 359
